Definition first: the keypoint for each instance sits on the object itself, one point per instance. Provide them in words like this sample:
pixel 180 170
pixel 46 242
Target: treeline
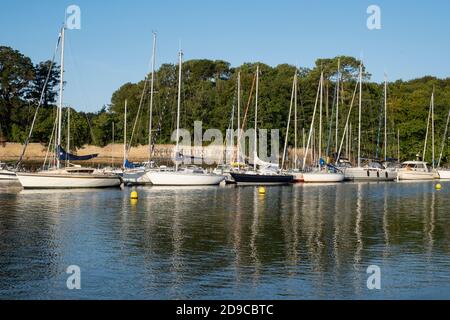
pixel 208 94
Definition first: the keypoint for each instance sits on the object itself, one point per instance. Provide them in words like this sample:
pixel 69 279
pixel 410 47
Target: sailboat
pixel 268 173
pixel 372 170
pixel 444 174
pixel 418 170
pixel 137 174
pixel 131 174
pixel 186 176
pixel 323 172
pixel 67 177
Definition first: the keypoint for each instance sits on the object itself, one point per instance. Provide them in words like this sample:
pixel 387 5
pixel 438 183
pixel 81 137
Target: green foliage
pixel 208 94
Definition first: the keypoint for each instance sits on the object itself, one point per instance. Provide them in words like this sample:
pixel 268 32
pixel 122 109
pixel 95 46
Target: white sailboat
pixel 132 174
pixel 322 173
pixel 418 170
pixel 372 170
pixel 68 177
pixel 189 176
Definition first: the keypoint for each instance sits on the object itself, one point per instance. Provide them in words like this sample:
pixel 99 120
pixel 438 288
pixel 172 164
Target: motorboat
pixel 415 170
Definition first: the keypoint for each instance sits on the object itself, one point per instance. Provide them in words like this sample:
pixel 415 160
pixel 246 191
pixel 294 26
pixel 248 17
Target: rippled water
pixel 296 242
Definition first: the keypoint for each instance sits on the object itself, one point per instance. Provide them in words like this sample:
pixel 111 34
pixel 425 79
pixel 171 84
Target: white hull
pixel 319 177
pixel 135 177
pixel 415 175
pixel 171 178
pixel 49 180
pixel 369 174
pixel 7 175
pixel 444 174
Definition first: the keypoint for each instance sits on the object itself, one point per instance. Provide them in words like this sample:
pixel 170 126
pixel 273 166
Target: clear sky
pixel 115 40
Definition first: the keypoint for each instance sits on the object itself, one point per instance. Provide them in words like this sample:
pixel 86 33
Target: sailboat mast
pixel 444 140
pixel 112 147
pixel 151 99
pixel 178 107
pixel 320 118
pixel 68 134
pixel 295 119
pixel 359 116
pixel 61 91
pixel 337 102
pixel 239 121
pixel 432 129
pixel 428 129
pixel 255 152
pixel 125 134
pixel 311 131
pixel 385 117
pixel 289 121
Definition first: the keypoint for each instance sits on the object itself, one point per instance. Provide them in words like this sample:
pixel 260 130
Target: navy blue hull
pixel 243 178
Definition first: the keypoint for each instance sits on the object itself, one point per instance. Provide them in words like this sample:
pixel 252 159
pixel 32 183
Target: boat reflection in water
pixel 295 241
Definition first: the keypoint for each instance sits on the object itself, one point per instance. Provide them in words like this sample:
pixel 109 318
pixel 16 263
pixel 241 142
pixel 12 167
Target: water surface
pixel 295 242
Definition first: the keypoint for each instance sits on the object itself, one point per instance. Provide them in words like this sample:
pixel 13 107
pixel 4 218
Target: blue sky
pixel 115 40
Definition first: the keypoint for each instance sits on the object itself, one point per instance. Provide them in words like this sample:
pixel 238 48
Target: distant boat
pixel 418 170
pixel 373 170
pixel 415 170
pixel 261 178
pixel 138 174
pixel 268 173
pixel 322 172
pixel 69 177
pixel 190 176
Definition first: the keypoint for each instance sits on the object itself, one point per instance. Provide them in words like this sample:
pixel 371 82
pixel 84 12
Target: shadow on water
pixel 299 241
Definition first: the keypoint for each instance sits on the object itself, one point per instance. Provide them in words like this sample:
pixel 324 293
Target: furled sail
pixel 129 165
pixel 63 155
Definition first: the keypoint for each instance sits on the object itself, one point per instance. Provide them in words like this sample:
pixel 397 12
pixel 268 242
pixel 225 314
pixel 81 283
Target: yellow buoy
pixel 134 195
pixel 262 190
pixel 134 202
pixel 438 186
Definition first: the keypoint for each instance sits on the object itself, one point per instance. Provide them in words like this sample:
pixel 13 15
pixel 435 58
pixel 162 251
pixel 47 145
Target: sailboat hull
pixel 261 179
pixel 370 174
pixel 319 177
pixel 171 178
pixel 66 181
pixel 444 174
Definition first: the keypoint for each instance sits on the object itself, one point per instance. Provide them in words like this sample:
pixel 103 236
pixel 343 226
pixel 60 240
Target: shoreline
pixel 113 153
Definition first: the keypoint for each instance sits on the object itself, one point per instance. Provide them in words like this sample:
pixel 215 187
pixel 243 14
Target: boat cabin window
pixel 414 166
